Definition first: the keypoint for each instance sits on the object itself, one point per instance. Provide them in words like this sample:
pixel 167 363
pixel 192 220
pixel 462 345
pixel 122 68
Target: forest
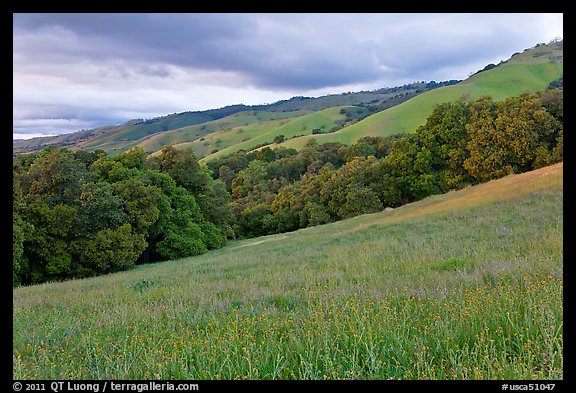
pixel 79 214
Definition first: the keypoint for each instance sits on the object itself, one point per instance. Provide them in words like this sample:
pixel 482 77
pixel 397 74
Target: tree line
pixel 79 214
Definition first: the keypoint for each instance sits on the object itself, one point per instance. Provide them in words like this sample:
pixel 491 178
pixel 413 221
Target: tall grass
pixel 451 287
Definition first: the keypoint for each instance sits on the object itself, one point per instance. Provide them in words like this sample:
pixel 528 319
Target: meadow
pixel 465 285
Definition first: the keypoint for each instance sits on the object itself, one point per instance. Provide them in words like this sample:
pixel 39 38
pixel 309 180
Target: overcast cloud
pixel 75 71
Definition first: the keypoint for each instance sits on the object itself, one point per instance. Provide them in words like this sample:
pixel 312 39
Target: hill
pixel 251 137
pixel 381 112
pixel 114 139
pixel 225 126
pixel 465 285
pixel 533 70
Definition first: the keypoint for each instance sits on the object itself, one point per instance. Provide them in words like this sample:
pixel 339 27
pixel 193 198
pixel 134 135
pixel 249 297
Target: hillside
pixel 478 270
pixel 248 138
pixel 382 112
pixel 114 139
pixel 533 70
pixel 225 126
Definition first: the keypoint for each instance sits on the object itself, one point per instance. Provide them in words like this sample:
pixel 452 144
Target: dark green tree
pixel 139 203
pixel 98 209
pixel 110 250
pixel 46 245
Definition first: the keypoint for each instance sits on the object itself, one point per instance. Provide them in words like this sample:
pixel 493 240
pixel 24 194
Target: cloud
pixel 109 66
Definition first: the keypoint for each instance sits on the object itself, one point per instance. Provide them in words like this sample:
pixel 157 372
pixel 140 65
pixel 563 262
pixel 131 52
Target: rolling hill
pixel 382 112
pixel 532 70
pixel 223 127
pixel 248 138
pixel 465 285
pixel 114 139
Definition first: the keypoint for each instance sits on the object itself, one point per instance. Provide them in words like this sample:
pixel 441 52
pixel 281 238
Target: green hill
pixel 263 128
pixel 465 285
pixel 221 128
pixel 114 139
pixel 400 110
pixel 533 70
pixel 251 137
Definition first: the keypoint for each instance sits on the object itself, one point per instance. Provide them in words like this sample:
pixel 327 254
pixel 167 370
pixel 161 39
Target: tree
pixel 350 189
pixel 139 203
pixel 183 167
pixel 19 230
pixel 250 220
pixel 486 158
pixel 226 175
pixel 181 229
pixel 444 138
pixel 359 200
pixel 184 242
pixel 72 222
pixel 46 246
pixel 399 166
pixel 134 157
pixel 110 250
pixel 279 139
pixel 57 175
pixel 266 154
pixel 216 208
pixel 19 261
pixel 316 214
pixel 512 136
pixel 98 209
pixel 359 149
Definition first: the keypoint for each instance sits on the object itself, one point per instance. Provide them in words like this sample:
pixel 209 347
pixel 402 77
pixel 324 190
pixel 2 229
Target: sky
pixel 81 71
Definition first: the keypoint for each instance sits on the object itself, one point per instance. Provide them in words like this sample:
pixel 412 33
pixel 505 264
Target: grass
pixel 245 131
pixel 258 134
pixel 125 136
pixel 222 129
pixel 466 285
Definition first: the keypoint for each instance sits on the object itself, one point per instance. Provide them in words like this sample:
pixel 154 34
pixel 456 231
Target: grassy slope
pixel 62 138
pixel 218 127
pixel 124 136
pixel 466 285
pixel 294 107
pixel 251 136
pixel 528 71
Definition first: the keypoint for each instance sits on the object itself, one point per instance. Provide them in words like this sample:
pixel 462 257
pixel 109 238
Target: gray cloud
pixel 92 62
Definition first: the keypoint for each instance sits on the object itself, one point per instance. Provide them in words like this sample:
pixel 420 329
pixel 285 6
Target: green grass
pixel 228 136
pixel 125 136
pixel 222 128
pixel 466 285
pixel 250 137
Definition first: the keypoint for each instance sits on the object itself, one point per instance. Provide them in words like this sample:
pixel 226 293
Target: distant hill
pixel 114 139
pixel 341 118
pixel 264 134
